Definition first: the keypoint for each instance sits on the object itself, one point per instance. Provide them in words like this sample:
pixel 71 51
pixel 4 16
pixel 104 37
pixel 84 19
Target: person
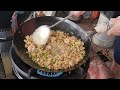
pixel 114 30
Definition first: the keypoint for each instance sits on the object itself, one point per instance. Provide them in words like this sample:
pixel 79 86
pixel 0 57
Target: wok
pixel 66 26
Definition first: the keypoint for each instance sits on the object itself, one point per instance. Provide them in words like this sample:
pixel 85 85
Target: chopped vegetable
pixel 61 52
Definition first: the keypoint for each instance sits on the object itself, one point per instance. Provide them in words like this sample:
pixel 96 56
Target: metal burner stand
pixel 4 51
pixel 23 72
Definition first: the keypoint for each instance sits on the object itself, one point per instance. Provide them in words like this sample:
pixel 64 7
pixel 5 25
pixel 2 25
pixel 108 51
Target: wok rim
pixel 48 70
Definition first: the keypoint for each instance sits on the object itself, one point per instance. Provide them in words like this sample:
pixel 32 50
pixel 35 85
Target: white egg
pixel 41 35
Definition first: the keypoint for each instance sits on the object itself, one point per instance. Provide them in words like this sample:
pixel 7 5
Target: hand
pixel 77 13
pixel 115 29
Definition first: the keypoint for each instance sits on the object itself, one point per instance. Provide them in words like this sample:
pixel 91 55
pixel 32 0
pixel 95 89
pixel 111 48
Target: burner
pixel 24 71
pixel 4 43
pixel 49 74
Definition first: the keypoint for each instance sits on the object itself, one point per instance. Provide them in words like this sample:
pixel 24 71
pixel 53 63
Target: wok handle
pixel 91 33
pixel 6 39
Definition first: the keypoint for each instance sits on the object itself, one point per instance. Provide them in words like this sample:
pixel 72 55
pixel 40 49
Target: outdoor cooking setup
pixel 24 68
pixel 13 52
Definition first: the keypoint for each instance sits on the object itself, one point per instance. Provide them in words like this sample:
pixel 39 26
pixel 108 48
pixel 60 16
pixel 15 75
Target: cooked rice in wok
pixel 61 52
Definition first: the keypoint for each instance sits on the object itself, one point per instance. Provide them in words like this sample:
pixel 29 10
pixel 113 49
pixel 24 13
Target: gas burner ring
pixel 49 74
pixel 28 72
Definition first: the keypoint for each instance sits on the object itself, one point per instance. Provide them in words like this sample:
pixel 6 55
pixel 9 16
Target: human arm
pixel 115 29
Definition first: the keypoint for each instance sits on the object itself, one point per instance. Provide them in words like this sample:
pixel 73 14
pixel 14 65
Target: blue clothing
pixel 114 14
pixel 117 50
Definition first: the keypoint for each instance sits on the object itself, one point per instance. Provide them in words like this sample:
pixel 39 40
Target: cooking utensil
pixel 66 26
pixel 67 17
pixel 44 32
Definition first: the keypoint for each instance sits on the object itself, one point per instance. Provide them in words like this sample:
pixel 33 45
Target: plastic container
pixel 102 39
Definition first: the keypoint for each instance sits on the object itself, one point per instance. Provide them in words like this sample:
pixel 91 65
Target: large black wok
pixel 66 26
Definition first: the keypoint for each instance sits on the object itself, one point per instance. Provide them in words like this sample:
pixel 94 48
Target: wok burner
pixel 49 74
pixel 24 71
